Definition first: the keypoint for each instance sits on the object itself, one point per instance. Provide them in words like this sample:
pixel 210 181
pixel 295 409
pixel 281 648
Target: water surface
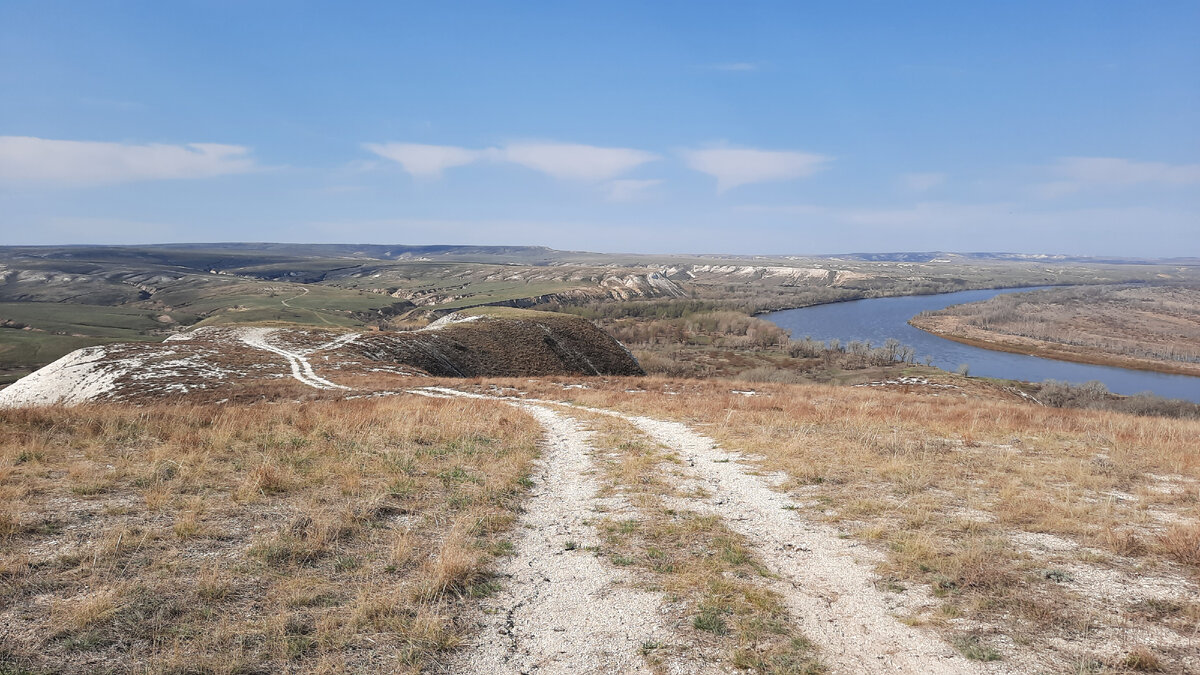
pixel 877 319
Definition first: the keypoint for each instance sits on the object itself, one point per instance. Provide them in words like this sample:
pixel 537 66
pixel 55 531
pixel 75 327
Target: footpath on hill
pixel 572 612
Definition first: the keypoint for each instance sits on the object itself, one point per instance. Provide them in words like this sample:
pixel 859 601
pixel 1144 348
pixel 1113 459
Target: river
pixel 877 319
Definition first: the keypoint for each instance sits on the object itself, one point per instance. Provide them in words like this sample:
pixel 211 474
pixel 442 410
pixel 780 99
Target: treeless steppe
pixel 326 536
pixel 1043 538
pixel 769 528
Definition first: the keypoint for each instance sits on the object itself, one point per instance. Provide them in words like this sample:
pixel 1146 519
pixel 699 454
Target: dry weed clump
pixel 1142 660
pixel 1182 542
pixel 318 537
pixel 1011 515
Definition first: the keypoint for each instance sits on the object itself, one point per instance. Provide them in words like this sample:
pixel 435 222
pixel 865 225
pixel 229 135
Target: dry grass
pixel 714 584
pixel 1027 525
pixel 315 537
pixel 1147 327
pixel 329 536
pixel 1182 541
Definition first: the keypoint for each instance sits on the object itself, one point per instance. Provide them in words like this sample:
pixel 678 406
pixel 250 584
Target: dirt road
pixel 302 370
pixel 827 582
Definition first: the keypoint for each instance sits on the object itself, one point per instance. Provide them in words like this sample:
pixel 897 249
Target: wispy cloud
pixel 742 166
pixel 568 161
pixel 921 182
pixel 628 190
pixel 574 161
pixel 427 161
pixel 1081 173
pixel 736 67
pixel 31 160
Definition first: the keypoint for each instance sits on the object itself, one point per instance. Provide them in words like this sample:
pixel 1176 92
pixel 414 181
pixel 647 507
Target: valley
pixel 54 300
pixel 766 338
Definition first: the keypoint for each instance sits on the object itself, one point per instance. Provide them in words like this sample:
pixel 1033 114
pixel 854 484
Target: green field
pixel 91 320
pixel 22 352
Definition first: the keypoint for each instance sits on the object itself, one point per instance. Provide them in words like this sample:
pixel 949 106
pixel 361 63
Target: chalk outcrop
pixel 240 362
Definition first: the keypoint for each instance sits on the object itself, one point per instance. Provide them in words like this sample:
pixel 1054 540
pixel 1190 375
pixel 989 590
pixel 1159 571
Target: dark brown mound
pixel 514 345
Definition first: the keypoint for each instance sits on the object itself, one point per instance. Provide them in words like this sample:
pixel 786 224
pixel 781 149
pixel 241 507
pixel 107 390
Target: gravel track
pixel 302 370
pixel 827 583
pixel 563 611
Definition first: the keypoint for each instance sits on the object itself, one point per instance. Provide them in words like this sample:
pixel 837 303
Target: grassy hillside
pixel 318 537
pixel 364 534
pixel 1054 540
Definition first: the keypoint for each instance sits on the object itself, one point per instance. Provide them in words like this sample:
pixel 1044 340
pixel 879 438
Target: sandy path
pixel 563 611
pixel 303 292
pixel 302 370
pixel 827 582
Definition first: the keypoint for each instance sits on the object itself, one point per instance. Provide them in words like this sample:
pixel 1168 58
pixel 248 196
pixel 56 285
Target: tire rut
pixel 827 582
pixel 563 611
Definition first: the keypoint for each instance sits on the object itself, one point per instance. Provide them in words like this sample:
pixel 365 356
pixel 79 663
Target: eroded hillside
pixel 239 362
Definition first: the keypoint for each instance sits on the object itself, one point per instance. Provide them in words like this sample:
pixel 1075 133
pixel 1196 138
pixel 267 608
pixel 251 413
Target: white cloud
pixel 921 182
pixel 27 159
pixel 425 160
pixel 627 190
pixel 1081 173
pixel 574 161
pixel 741 166
pixel 571 161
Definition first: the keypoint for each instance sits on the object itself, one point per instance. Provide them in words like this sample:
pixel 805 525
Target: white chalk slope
pixel 75 378
pixel 194 360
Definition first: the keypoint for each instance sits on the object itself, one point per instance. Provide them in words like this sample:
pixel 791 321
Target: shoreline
pixel 1020 289
pixel 1127 363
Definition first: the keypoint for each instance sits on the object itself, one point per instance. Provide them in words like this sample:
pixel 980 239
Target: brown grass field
pixel 1065 540
pixel 318 537
pixel 332 536
pixel 1144 327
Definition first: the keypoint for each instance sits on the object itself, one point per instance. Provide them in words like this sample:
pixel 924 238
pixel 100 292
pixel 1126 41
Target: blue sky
pixel 755 128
